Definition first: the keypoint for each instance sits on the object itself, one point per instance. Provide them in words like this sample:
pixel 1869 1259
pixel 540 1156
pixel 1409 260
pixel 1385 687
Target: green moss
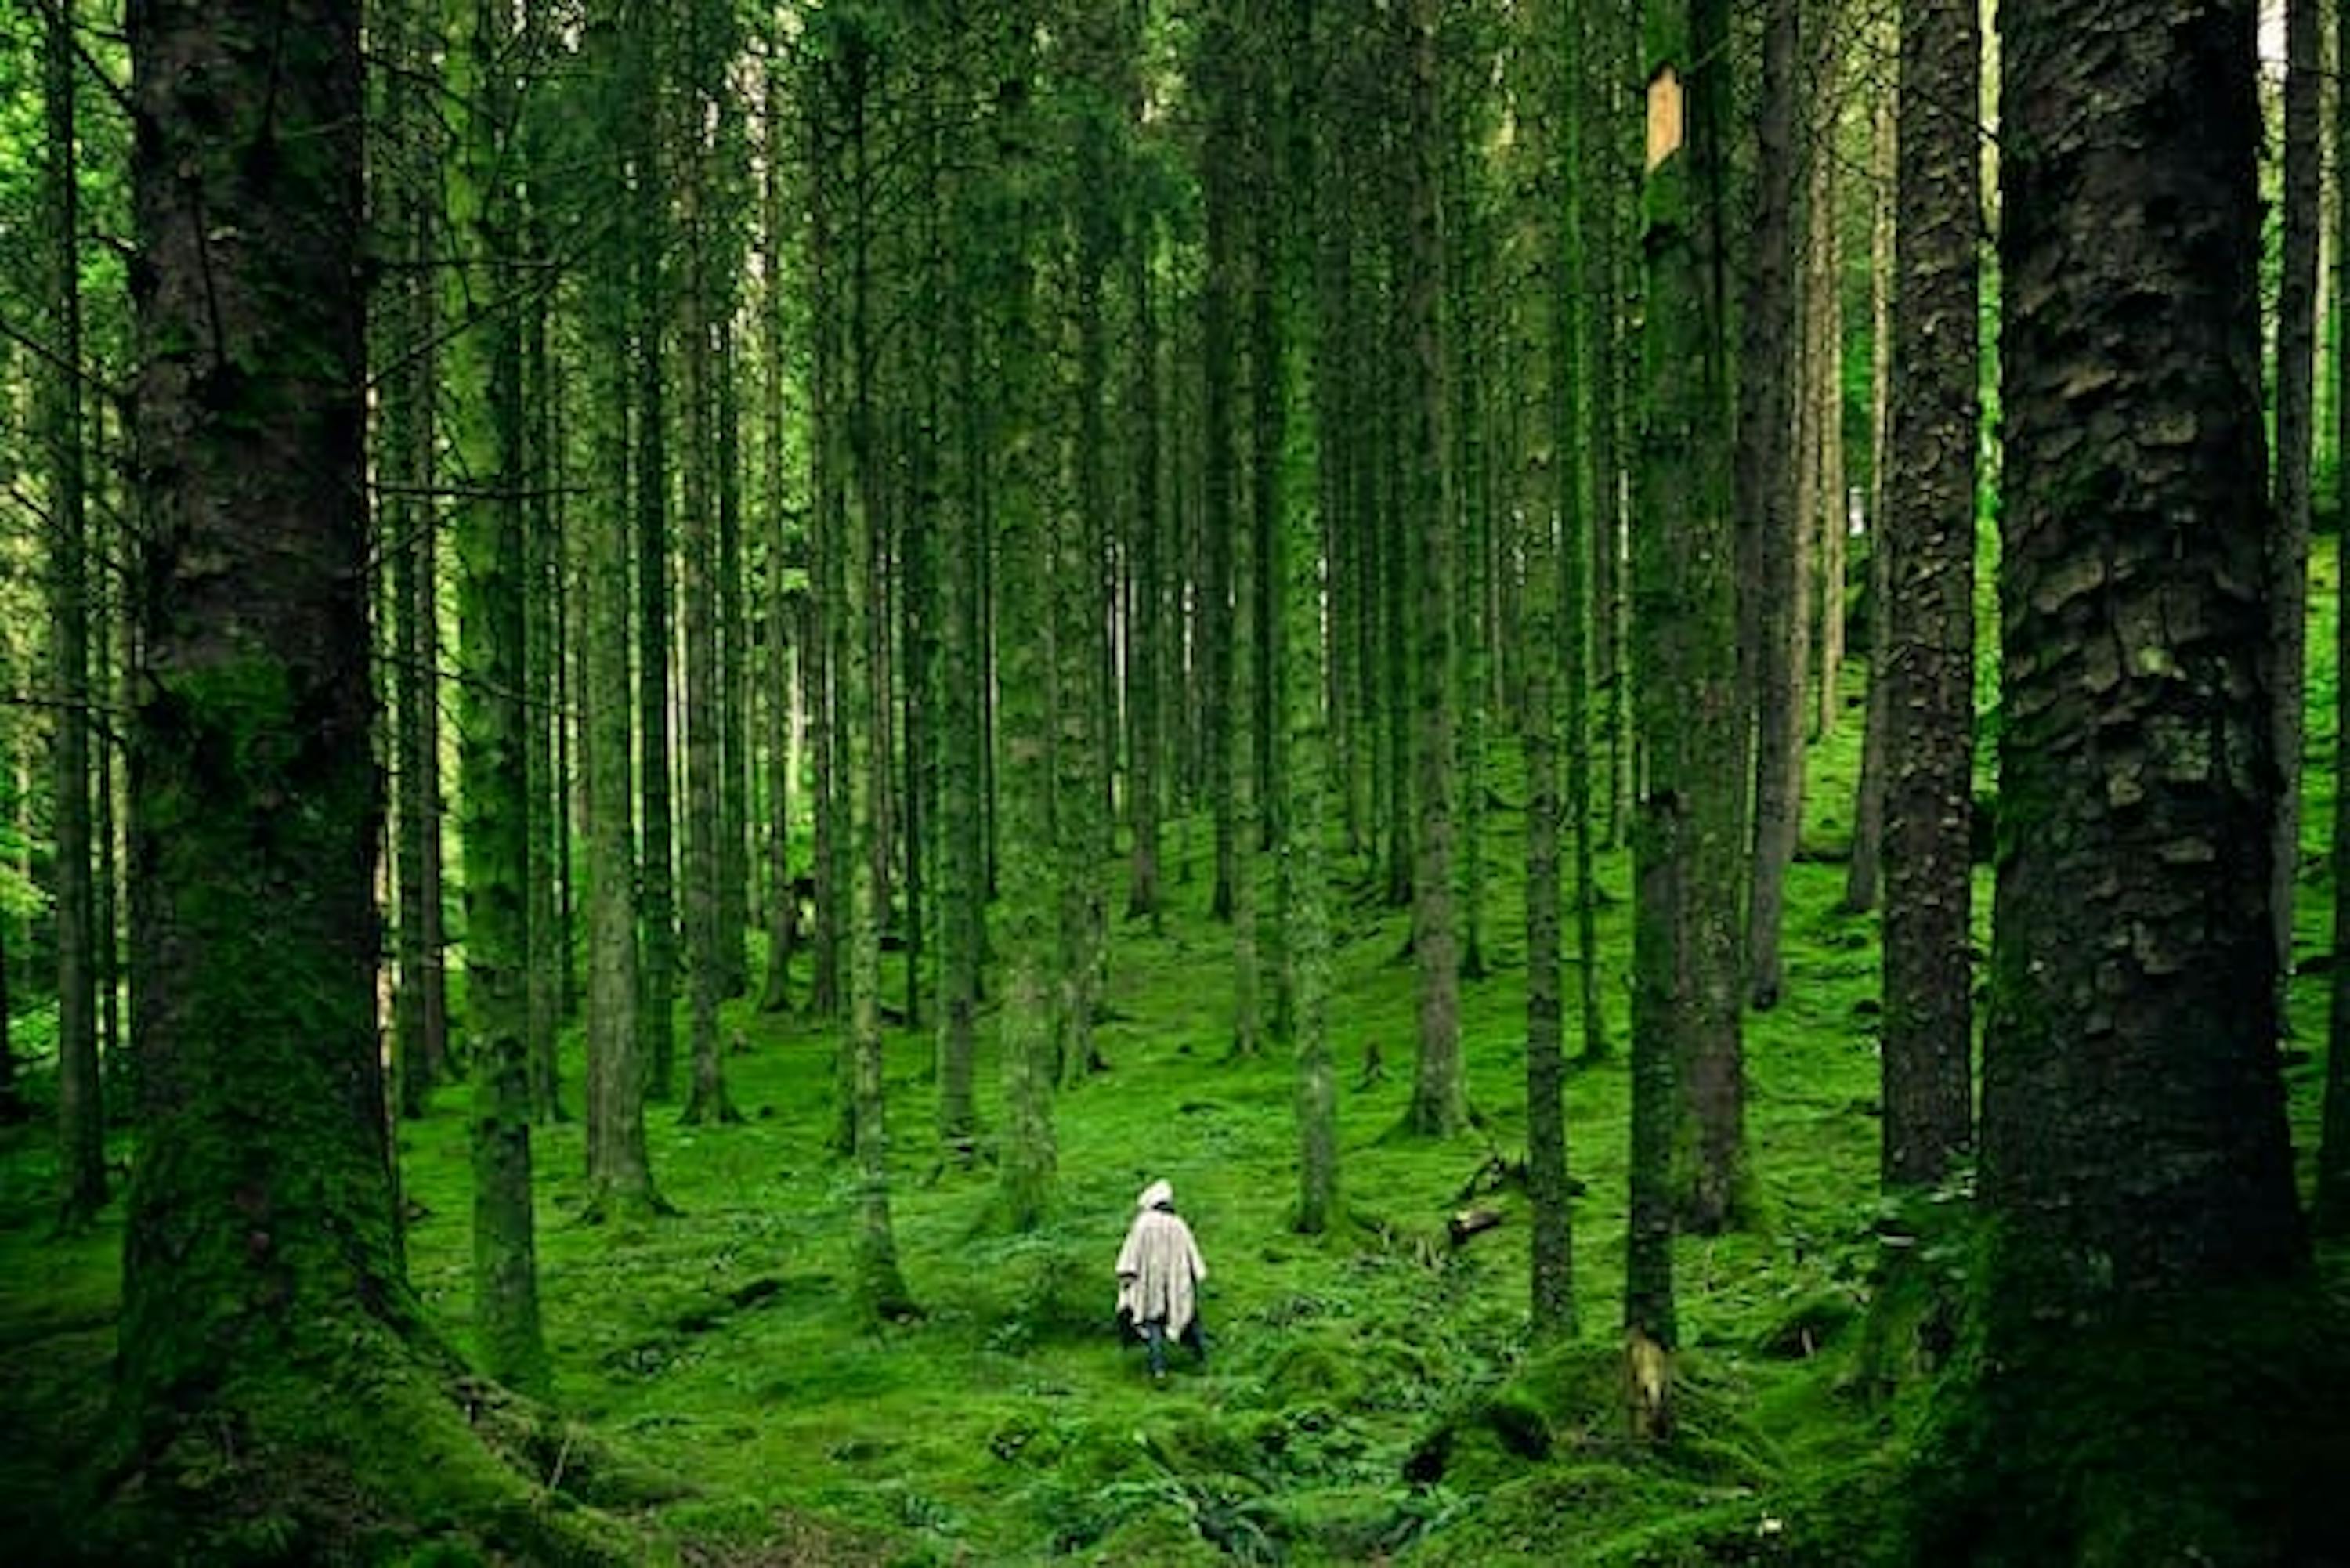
pixel 2205 1430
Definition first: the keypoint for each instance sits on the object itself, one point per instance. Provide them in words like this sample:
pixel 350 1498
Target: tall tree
pixel 292 1330
pixel 81 1114
pixel 2137 1174
pixel 702 335
pixel 1439 1101
pixel 620 1166
pixel 485 365
pixel 1927 535
pixel 1027 1028
pixel 1685 1067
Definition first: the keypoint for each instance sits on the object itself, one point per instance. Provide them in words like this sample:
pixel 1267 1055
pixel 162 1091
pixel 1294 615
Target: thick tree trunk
pixel 258 923
pixel 1928 534
pixel 2137 1174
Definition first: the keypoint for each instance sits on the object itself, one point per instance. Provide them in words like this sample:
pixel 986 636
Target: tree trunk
pixel 700 335
pixel 1439 1101
pixel 1927 535
pixel 880 1288
pixel 1861 872
pixel 1688 1081
pixel 1776 616
pixel 1027 1029
pixel 620 1166
pixel 2137 1174
pixel 1824 363
pixel 81 1112
pixel 1545 306
pixel 258 923
pixel 1147 637
pixel 543 793
pixel 649 223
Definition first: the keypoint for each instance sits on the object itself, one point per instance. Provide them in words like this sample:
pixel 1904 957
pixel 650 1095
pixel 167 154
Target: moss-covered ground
pixel 1369 1395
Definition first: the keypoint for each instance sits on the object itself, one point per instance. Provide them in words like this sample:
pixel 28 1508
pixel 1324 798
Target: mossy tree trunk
pixel 1307 777
pixel 486 369
pixel 1686 1096
pixel 81 1111
pixel 1439 1102
pixel 1546 305
pixel 1927 536
pixel 280 1357
pixel 619 1166
pixel 2137 1173
pixel 1012 218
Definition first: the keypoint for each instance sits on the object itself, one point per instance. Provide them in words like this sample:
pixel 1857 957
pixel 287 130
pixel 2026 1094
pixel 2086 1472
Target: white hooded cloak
pixel 1159 1268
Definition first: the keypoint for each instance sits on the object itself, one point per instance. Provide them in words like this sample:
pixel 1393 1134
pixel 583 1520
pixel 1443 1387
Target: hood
pixel 1157 1193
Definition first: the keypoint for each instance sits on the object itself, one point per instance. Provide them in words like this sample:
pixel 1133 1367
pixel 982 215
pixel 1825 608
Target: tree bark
pixel 1027 1029
pixel 486 370
pixel 1928 532
pixel 2137 1173
pixel 1776 616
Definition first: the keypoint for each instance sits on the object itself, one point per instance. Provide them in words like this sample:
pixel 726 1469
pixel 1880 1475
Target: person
pixel 1159 1273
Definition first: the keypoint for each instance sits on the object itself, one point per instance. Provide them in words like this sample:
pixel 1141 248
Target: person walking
pixel 1159 1273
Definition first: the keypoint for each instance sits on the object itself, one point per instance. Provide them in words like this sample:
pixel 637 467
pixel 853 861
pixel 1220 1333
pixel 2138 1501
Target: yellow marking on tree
pixel 1664 116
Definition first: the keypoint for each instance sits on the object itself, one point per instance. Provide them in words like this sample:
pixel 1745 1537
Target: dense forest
pixel 1650 689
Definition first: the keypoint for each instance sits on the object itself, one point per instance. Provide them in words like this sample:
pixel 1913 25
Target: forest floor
pixel 1369 1394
